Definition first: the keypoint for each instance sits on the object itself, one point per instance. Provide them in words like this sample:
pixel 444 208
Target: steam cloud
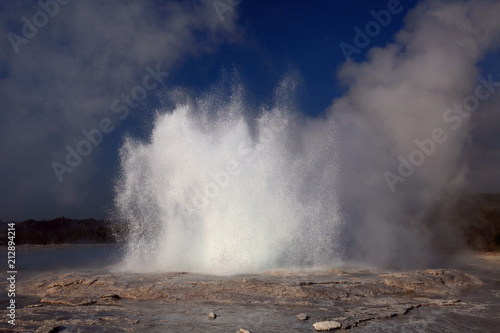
pixel 403 93
pixel 64 79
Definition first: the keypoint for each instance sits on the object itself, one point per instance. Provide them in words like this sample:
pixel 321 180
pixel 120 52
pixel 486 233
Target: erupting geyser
pixel 215 190
pixel 215 193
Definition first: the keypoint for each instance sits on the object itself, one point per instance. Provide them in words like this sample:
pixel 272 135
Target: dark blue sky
pixel 301 35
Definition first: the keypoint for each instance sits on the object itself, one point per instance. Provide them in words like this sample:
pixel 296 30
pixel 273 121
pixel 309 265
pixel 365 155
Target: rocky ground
pixel 347 298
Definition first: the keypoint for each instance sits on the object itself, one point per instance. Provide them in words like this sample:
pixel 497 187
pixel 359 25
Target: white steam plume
pixel 402 93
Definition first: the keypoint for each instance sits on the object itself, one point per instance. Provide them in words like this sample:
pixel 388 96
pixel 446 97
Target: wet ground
pixel 463 299
pixel 477 311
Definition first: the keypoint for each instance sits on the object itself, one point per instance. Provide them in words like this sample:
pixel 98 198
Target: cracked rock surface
pixel 179 302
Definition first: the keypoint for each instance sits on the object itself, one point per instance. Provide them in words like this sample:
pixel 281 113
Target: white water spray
pixel 215 193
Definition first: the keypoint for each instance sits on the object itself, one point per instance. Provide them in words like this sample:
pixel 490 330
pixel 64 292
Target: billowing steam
pixel 404 121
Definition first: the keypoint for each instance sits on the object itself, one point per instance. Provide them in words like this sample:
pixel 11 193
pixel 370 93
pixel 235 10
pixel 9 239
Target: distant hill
pixel 464 220
pixel 478 218
pixel 60 231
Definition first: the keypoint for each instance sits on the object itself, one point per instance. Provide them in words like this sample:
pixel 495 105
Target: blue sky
pixel 64 79
pixel 303 35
